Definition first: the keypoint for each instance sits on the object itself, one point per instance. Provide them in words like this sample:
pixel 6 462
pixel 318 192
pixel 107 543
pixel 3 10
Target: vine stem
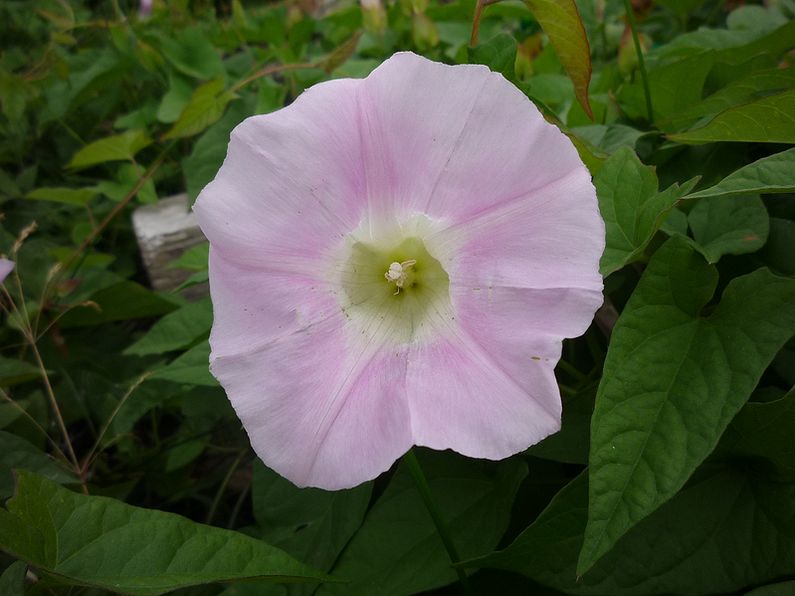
pixel 413 465
pixel 89 458
pixel 641 62
pixel 57 411
pixel 479 7
pixel 96 231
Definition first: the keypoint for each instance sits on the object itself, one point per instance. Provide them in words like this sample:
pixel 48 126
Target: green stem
pixel 222 489
pixel 413 465
pixel 641 62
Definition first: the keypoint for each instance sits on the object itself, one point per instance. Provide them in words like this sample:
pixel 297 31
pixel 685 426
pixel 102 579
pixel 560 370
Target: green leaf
pixel 177 329
pixel 769 175
pixel 755 85
pixel 68 196
pixel 729 225
pixel 764 431
pixel 16 452
pixel 208 153
pixel 12 582
pixel 570 443
pixel 206 106
pixel 682 8
pixel 770 119
pixel 778 589
pixel 726 530
pixel 674 86
pixel 119 302
pixel 632 208
pixel 561 21
pixel 778 252
pixel 398 551
pixel 498 53
pixel 126 178
pixel 175 100
pixel 195 258
pixel 195 279
pixel 192 53
pixel 14 371
pixel 191 368
pixel 310 524
pixel 118 147
pixel 104 543
pixel 673 379
pixel 610 137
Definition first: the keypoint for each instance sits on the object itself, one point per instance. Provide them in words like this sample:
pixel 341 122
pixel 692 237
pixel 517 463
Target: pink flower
pixel 145 9
pixel 6 267
pixel 394 261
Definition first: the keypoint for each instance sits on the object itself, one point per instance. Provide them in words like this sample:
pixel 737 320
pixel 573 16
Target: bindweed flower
pixel 394 261
pixel 145 9
pixel 6 267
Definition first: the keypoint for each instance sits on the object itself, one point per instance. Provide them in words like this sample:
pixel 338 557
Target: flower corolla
pixel 395 261
pixel 6 267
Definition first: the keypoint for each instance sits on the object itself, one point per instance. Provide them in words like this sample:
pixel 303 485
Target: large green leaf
pixel 398 551
pixel 773 174
pixel 119 147
pixel 206 106
pixel 310 524
pixel 770 119
pixel 755 85
pixel 632 208
pixel 101 542
pixel 672 381
pixel 561 21
pixel 727 530
pixel 729 225
pixel 178 329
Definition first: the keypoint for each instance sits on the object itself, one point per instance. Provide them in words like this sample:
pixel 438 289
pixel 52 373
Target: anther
pixel 398 272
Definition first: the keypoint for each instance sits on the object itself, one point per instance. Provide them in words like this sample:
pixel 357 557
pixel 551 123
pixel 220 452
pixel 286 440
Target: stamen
pixel 398 272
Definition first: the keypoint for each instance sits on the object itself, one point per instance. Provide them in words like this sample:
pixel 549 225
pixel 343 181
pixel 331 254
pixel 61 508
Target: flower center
pixel 398 273
pixel 396 289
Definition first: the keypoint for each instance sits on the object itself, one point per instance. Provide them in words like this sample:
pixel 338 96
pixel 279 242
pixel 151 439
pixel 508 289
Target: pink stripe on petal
pixel 291 186
pixel 463 398
pixel 449 141
pixel 252 306
pixel 553 237
pixel 318 410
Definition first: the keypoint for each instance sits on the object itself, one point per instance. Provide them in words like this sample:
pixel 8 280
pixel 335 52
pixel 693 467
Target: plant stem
pixel 56 410
pixel 641 62
pixel 413 465
pixel 571 370
pixel 222 489
pixel 89 458
pixel 35 424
